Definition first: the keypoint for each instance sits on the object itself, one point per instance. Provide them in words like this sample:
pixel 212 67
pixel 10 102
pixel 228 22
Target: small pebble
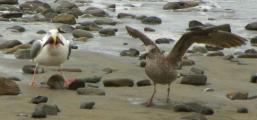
pixel 39 99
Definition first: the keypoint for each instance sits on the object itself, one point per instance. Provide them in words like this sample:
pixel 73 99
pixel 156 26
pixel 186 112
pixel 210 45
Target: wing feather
pixel 36 48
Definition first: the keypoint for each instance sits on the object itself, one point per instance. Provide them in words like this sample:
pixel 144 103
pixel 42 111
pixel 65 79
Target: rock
pixel 242 110
pixel 212 48
pixel 4 19
pixel 152 20
pixel 195 23
pixel 47 109
pixel 105 21
pixel 122 82
pixel 194 116
pixel 179 5
pixel 35 6
pixel 39 114
pixel 228 57
pixel 81 39
pixel 65 6
pixel 93 79
pixel 39 99
pixel 29 69
pixel 23 54
pixel 254 41
pixel 193 107
pixel 142 63
pixel 10 8
pixel 111 6
pixel 8 87
pixel 87 105
pixel 194 80
pixel 164 40
pixel 107 70
pixel 89 26
pixel 199 49
pixel 251 26
pixel 143 56
pixel 64 18
pixel 248 55
pixel 250 51
pixel 131 52
pixel 148 29
pixel 208 90
pixel 216 53
pixel 108 31
pixel 9 2
pixel 14 78
pixel 90 91
pixel 41 32
pixel 95 12
pixel 187 62
pixel 141 17
pixel 237 95
pixel 81 33
pixel 254 78
pixel 12 15
pixel 16 48
pixel 56 82
pixel 65 28
pixel 197 70
pixel 142 83
pixel 16 28
pixel 125 15
pixel 74 85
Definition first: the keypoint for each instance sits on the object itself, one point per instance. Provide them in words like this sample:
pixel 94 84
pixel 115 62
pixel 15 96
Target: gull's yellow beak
pixel 54 37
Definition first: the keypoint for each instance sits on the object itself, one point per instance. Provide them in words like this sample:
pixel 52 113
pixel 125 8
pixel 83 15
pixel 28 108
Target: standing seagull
pixel 162 69
pixel 52 50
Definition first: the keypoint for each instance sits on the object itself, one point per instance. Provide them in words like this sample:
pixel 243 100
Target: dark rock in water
pixel 251 26
pixel 65 6
pixel 112 6
pixel 199 49
pixel 148 29
pixel 250 51
pixel 89 26
pixel 12 15
pixel 152 20
pixel 142 63
pixel 141 17
pixel 195 23
pixel 105 21
pixel 108 31
pixel 248 55
pixel 131 52
pixel 197 70
pixel 29 69
pixel 212 48
pixel 194 116
pixel 164 40
pixel 93 79
pixel 9 2
pixel 193 107
pixel 194 79
pixel 125 15
pixel 4 19
pixel 35 6
pixel 8 87
pixel 16 28
pixel 23 54
pixel 237 95
pixel 35 18
pixel 254 41
pixel 143 83
pixel 216 53
pixel 74 85
pixel 107 70
pixel 94 11
pixel 87 105
pixel 90 91
pixel 14 78
pixel 41 32
pixel 64 18
pixel 39 114
pixel 81 33
pixel 122 82
pixel 39 99
pixel 242 110
pixel 47 109
pixel 254 78
pixel 179 5
pixel 56 82
pixel 65 28
pixel 187 62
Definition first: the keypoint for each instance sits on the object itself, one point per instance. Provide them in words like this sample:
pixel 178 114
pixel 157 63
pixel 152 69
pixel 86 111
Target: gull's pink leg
pixel 33 82
pixel 66 81
pixel 150 102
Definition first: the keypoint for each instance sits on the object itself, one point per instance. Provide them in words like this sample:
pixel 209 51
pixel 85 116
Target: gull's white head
pixel 53 38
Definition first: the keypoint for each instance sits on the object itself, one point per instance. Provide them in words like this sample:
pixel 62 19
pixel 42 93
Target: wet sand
pixel 124 102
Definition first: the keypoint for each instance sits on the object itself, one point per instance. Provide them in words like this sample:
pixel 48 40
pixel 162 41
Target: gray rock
pixel 39 114
pixel 87 105
pixel 56 82
pixel 242 110
pixel 194 80
pixel 199 49
pixel 194 116
pixel 250 51
pixel 111 6
pixel 64 18
pixel 11 8
pixel 13 78
pixel 187 62
pixel 122 82
pixel 35 17
pixel 9 2
pixel 16 29
pixel 148 29
pixel 197 70
pixel 251 26
pixel 81 33
pixel 8 87
pixel 212 48
pixel 48 109
pixel 105 21
pixel 74 85
pixel 164 40
pixel 93 79
pixel 237 95
pixel 193 107
pixel 65 28
pixel 195 23
pixel 22 54
pixel 107 70
pixel 228 57
pixel 248 55
pixel 142 83
pixel 35 7
pixel 254 40
pixel 215 53
pixel 179 5
pixel 95 12
pixel 152 20
pixel 41 32
pixel 130 52
pixel 254 78
pixel 108 31
pixel 90 91
pixel 39 99
pixel 89 26
pixel 29 69
pixel 65 6
pixel 125 15
pixel 142 63
pixel 12 15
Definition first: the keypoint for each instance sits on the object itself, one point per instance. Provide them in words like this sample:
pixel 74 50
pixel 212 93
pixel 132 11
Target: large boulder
pixel 251 26
pixel 180 5
pixel 35 6
pixel 8 87
pixel 94 11
pixel 64 18
pixel 77 33
pixel 8 1
pixel 152 20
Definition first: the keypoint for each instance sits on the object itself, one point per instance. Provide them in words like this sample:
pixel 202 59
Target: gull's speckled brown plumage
pixel 161 69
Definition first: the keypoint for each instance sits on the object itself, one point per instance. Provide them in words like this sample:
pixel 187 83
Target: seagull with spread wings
pixel 161 69
pixel 52 50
